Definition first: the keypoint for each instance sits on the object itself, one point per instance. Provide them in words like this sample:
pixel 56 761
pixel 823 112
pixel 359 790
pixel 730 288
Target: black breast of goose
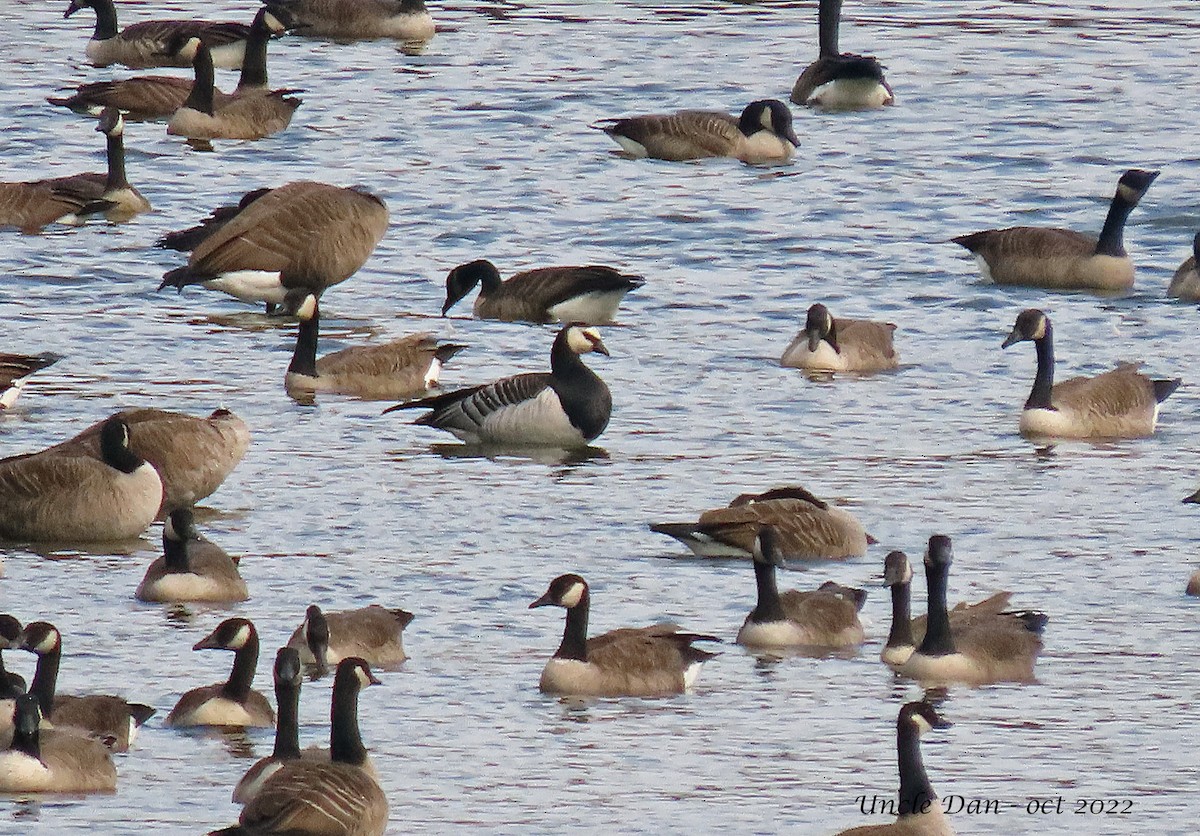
pixel 1061 259
pixel 349 20
pixel 840 81
pixel 1122 403
pixel 287 675
pixel 1185 284
pixel 142 45
pixel 654 661
pixel 373 633
pixel 52 760
pixel 233 702
pixel 15 370
pixel 11 684
pixel 588 294
pixel 568 407
pixel 841 345
pixel 191 568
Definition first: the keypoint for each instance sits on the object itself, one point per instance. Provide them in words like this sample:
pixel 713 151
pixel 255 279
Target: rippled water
pixel 1006 113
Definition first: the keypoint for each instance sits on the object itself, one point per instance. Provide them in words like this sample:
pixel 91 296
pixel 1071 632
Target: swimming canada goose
pixel 142 45
pixel 287 675
pixel 11 684
pixel 304 235
pixel 1185 284
pixel 233 702
pixel 567 407
pixel 919 811
pixel 650 661
pixel 841 345
pixel 762 134
pixel 191 568
pixel 999 655
pixel 405 368
pixel 806 528
pixel 836 80
pixel 52 760
pixel 15 370
pixel 1122 403
pixel 373 633
pixel 121 200
pixel 588 294
pixel 75 497
pixel 350 20
pixel 108 718
pixel 826 617
pixel 1060 259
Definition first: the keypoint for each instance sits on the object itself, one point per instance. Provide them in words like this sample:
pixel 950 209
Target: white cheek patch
pixel 169 529
pixel 364 678
pixel 48 644
pixel 240 638
pixel 573 595
pixel 921 723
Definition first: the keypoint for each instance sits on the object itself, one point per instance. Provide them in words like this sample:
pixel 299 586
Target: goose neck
pixel 901 633
pixel 829 15
pixel 106 21
pixel 1112 235
pixel 8 689
pixel 916 793
pixel 241 677
pixel 115 452
pixel 769 608
pixel 574 640
pixel 254 62
pixel 26 741
pixel 115 150
pixel 938 641
pixel 45 680
pixel 1043 381
pixel 200 97
pixel 287 724
pixel 345 742
pixel 304 357
pixel 175 555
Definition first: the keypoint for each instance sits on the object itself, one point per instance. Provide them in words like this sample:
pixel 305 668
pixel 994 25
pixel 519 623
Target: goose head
pixel 1134 184
pixel 76 5
pixel 766 546
pixel 922 717
pixel 40 637
pixel 274 20
pixel 300 304
pixel 818 325
pixel 768 115
pixel 896 569
pixel 180 526
pixel 10 631
pixel 581 339
pixel 353 673
pixel 231 634
pixel 462 280
pixel 567 591
pixel 940 553
pixel 111 123
pixel 1031 324
pixel 287 670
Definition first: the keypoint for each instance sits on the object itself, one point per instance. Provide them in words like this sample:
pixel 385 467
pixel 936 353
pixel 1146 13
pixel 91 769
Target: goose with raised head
pixel 52 760
pixel 373 633
pixel 840 80
pixel 654 661
pixel 1061 259
pixel 807 528
pixel 1122 403
pixel 191 568
pixel 287 674
pixel 119 201
pixel 567 407
pixel 762 134
pixel 588 294
pixel 841 345
pixel 48 496
pixel 233 703
pixel 15 371
pixel 354 20
pixel 144 44
pixel 1185 284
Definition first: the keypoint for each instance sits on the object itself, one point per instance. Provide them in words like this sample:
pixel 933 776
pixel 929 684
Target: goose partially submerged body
pixel 762 134
pixel 836 80
pixel 1185 284
pixel 191 568
pixel 142 45
pixel 588 294
pixel 841 345
pixel 352 20
pixel 15 370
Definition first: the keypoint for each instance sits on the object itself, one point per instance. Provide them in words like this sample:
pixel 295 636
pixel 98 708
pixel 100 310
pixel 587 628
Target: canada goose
pixel 1185 284
pixel 121 200
pixel 108 718
pixel 373 633
pixel 303 235
pixel 11 684
pixel 827 617
pixel 1193 586
pixel 1060 259
pixel 762 134
pixel 650 661
pixel 349 20
pixel 1003 655
pixel 75 497
pixel 567 407
pixel 841 345
pixel 404 368
pixel 233 702
pixel 52 760
pixel 287 675
pixel 836 80
pixel 15 370
pixel 807 528
pixel 1122 403
pixel 142 45
pixel 919 811
pixel 191 568
pixel 186 240
pixel 588 294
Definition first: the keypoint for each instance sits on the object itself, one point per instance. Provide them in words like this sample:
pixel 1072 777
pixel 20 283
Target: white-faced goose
pixel 650 661
pixel 762 134
pixel 233 702
pixel 1122 403
pixel 350 20
pixel 191 568
pixel 287 675
pixel 142 45
pixel 110 719
pixel 1185 284
pixel 48 496
pixel 11 684
pixel 15 370
pixel 588 294
pixel 373 633
pixel 302 236
pixel 840 80
pixel 52 760
pixel 567 407
pixel 841 345
pixel 807 528
pixel 405 368
pixel 1060 259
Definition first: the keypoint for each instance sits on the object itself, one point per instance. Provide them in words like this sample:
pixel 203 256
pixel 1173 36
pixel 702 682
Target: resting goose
pixel 653 661
pixel 373 633
pixel 1122 403
pixel 763 134
pixel 352 20
pixel 836 80
pixel 232 703
pixel 15 370
pixel 588 294
pixel 567 407
pixel 287 675
pixel 191 568
pixel 841 345
pixel 1060 259
pixel 1185 284
pixel 52 760
pixel 142 45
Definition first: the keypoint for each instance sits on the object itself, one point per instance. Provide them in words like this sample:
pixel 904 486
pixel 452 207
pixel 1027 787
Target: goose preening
pixel 287 674
pixel 302 236
pixel 588 294
pixel 1185 284
pixel 841 345
pixel 73 496
pixel 52 760
pixel 762 134
pixel 191 568
pixel 1061 259
pixel 1122 403
pixel 15 370
pixel 405 368
pixel 373 633
pixel 234 702
pixel 353 20
pixel 654 661
pixel 11 684
pixel 836 80
pixel 567 407
pixel 806 528
pixel 142 45
pixel 919 813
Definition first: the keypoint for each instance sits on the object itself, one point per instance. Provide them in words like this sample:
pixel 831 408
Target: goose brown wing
pixel 412 354
pixel 867 339
pixel 13 366
pixel 307 796
pixel 804 530
pixel 658 647
pixel 188 239
pixel 549 286
pixel 468 408
pixel 1027 242
pixel 681 136
pixel 162 31
pixel 821 612
pixel 1122 391
pixel 140 97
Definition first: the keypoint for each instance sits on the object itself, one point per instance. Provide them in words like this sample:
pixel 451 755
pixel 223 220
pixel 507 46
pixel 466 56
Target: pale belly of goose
pixel 593 308
pixel 850 94
pixel 252 286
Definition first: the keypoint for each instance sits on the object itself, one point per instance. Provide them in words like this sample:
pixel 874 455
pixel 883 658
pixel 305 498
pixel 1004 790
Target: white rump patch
pixel 252 286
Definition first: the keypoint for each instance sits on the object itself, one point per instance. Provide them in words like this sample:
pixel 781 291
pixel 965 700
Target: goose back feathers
pixel 588 294
pixel 841 345
pixel 145 44
pixel 351 20
pixel 840 81
pixel 233 702
pixel 1185 284
pixel 373 633
pixel 52 760
pixel 15 370
pixel 762 134
pixel 191 568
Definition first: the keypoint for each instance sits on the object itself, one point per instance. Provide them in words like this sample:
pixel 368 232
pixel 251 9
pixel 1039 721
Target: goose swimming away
pixel 837 80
